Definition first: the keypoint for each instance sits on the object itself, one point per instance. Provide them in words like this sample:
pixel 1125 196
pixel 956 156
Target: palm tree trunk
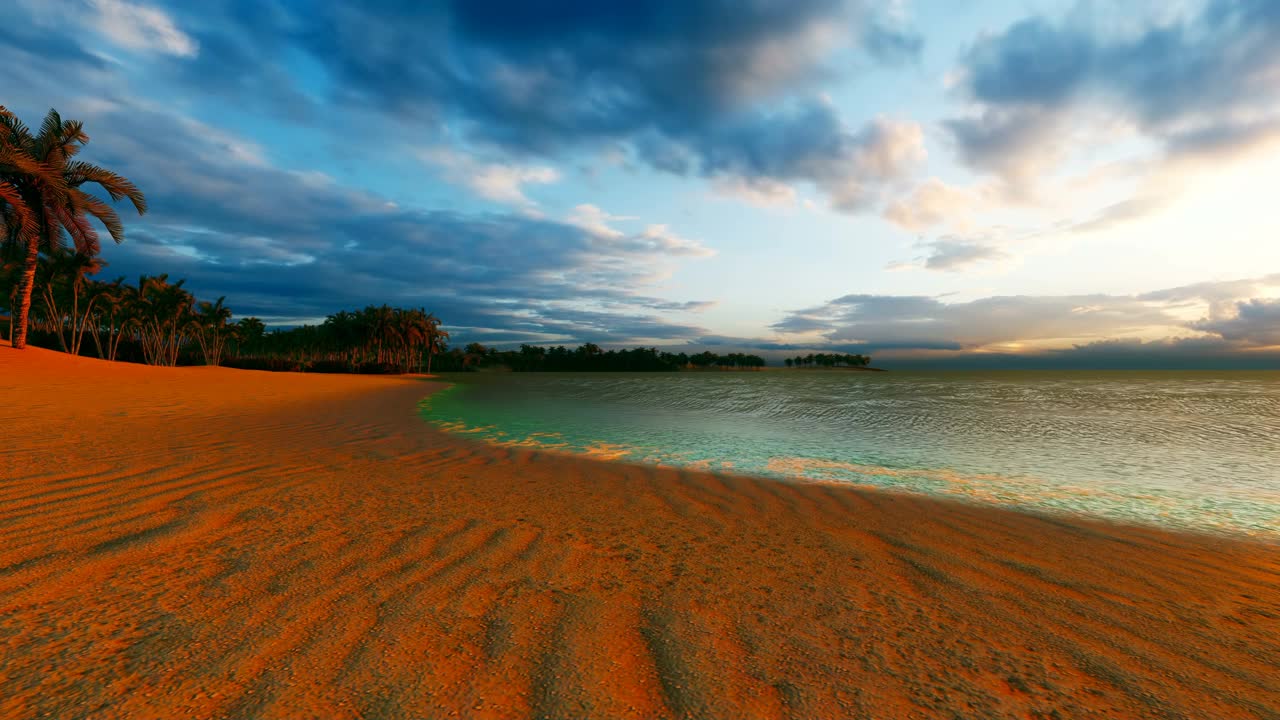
pixel 77 338
pixel 76 331
pixel 55 317
pixel 26 284
pixel 95 331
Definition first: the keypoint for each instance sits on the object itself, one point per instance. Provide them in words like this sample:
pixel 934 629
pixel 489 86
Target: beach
pixel 206 542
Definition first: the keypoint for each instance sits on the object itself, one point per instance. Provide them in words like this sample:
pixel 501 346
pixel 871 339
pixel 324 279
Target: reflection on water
pixel 1186 449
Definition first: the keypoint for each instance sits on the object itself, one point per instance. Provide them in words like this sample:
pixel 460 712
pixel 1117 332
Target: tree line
pixel 590 357
pixel 378 338
pixel 827 360
pixel 159 322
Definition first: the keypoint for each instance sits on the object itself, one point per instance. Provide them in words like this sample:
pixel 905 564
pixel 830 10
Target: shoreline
pixel 208 542
pixel 1051 515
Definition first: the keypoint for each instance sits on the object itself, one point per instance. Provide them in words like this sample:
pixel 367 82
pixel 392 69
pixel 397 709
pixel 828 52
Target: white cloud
pixel 654 239
pixel 500 182
pixel 593 219
pixel 140 27
pixel 884 152
pixel 934 202
pixel 760 192
pixel 661 239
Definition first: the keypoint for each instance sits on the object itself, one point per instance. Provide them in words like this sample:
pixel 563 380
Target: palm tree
pixel 213 329
pixel 10 271
pixel 65 277
pixel 41 199
pixel 437 338
pixel 164 318
pixel 118 316
pixel 249 333
pixel 381 326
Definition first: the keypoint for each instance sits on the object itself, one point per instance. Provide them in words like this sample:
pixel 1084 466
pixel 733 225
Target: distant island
pixel 830 360
pixel 590 357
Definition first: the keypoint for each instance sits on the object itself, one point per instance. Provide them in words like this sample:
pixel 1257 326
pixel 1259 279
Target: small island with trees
pixel 831 361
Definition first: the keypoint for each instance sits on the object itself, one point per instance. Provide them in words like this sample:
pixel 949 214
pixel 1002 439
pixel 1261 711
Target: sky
pixel 1002 184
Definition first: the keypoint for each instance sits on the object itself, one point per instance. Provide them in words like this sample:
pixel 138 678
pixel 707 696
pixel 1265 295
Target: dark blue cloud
pixel 1034 61
pixel 1204 79
pixel 538 75
pixel 708 87
pixel 293 247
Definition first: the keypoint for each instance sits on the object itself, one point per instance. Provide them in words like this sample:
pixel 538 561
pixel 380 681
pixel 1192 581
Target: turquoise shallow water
pixel 1181 449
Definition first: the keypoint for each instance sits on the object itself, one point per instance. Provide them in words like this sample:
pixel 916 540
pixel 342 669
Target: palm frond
pixel 117 186
pixel 23 220
pixel 59 140
pixel 50 135
pixel 104 213
pixel 23 164
pixel 83 236
pixel 15 131
pixel 52 239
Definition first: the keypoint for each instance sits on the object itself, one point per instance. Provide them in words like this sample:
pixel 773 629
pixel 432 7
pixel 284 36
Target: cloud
pixel 1121 354
pixel 951 254
pixel 1178 93
pixel 761 192
pixel 1016 144
pixel 722 90
pixel 503 183
pixel 807 142
pixel 128 25
pixel 1222 312
pixel 935 202
pixel 891 40
pixel 291 246
pixel 594 220
pixel 140 27
pixel 1201 81
pixel 653 238
pixel 1256 322
pixel 1216 298
pixel 976 324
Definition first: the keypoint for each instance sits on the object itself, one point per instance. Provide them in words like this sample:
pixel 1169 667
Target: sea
pixel 1185 450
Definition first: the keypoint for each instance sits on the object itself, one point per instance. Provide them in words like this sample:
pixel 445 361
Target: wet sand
pixel 201 542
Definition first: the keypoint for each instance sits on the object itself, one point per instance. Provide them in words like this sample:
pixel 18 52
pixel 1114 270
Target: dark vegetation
pixel 377 339
pixel 828 360
pixel 591 358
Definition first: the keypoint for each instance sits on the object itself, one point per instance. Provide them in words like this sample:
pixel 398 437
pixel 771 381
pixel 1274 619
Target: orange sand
pixel 218 543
